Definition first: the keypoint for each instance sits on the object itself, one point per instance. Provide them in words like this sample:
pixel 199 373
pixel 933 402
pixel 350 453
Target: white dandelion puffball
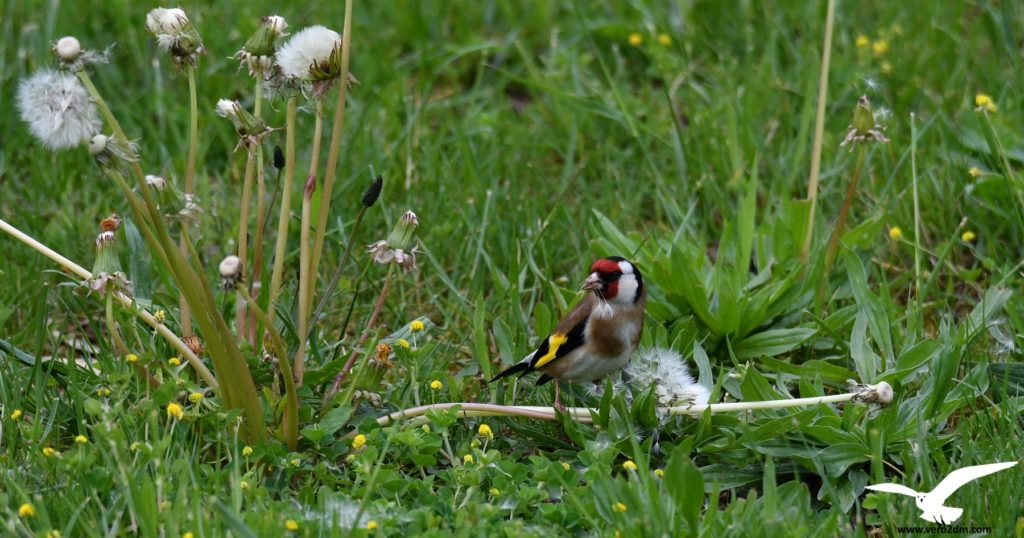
pixel 666 369
pixel 311 45
pixel 57 109
pixel 166 21
pixel 230 266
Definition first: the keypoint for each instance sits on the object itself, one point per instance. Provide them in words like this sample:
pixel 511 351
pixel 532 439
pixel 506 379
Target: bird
pixel 931 503
pixel 598 336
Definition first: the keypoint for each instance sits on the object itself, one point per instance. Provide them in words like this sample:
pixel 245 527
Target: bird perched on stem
pixel 598 336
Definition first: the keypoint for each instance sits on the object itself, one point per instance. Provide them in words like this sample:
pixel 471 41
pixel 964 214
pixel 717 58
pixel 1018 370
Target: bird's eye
pixel 613 275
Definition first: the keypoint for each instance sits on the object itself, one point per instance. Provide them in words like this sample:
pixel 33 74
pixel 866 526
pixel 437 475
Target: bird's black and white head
pixel 615 281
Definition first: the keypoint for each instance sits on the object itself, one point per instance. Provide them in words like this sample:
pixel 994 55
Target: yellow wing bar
pixel 554 342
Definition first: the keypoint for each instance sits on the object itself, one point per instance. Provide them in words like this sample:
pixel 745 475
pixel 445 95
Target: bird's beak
pixel 593 282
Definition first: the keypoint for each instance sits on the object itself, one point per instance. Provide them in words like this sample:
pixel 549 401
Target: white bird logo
pixel 931 503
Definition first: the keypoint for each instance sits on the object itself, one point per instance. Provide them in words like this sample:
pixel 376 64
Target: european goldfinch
pixel 598 336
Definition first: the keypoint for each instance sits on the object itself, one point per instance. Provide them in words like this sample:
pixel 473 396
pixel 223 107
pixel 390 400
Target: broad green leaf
pixel 771 342
pixel 685 486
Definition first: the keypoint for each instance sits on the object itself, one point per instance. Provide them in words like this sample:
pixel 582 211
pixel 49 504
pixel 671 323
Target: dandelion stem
pixel 917 223
pixel 121 298
pixel 190 181
pixel 306 275
pixel 261 218
pixel 243 234
pixel 819 129
pixel 285 210
pixel 837 231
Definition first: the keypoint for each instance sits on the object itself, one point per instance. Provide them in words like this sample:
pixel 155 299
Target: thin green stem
pixel 285 211
pixel 190 180
pixel 243 234
pixel 261 218
pixel 306 275
pixel 819 129
pixel 917 223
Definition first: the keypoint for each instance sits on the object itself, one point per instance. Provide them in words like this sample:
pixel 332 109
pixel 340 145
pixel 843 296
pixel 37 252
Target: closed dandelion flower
pixel 880 47
pixel 975 171
pixel 26 510
pixel 174 34
pixel 664 40
pixel 895 233
pixel 16 414
pixel 619 507
pixel 436 385
pixel 358 442
pixel 175 411
pixel 58 109
pixel 864 128
pixel 968 236
pixel 403 343
pixel 174 361
pixel 467 459
pixel 258 52
pixel 636 39
pixel 485 431
pixel 247 451
pixel 81 439
pixel 984 101
pixel 629 465
pixel 49 452
pixel 399 248
pixel 250 129
pixel 417 326
pixel 862 41
pixel 132 358
pixel 371 525
pixel 667 371
pixel 291 525
pixel 195 397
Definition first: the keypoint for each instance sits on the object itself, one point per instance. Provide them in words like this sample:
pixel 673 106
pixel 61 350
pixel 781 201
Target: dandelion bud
pixel 58 109
pixel 67 48
pixel 112 154
pixel 174 34
pixel 399 246
pixel 863 118
pixel 402 236
pixel 249 127
pixel 372 192
pixel 106 271
pixel 98 144
pixel 230 271
pixel 156 182
pixel 258 52
pixel 278 158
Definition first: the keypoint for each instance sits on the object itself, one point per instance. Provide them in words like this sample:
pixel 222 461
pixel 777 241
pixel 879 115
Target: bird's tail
pixel 522 368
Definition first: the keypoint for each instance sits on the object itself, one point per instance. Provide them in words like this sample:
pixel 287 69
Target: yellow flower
pixel 862 41
pixel 660 473
pixel 16 414
pixel 291 525
pixel 895 233
pixel 629 465
pixel 175 411
pixel 27 510
pixel 160 316
pixel 359 441
pixel 135 446
pixel 417 326
pixel 485 431
pixel 49 452
pixel 195 397
pixel 53 533
pixel 296 462
pixel 636 39
pixel 664 40
pixel 403 343
pixel 131 357
pixel 174 361
pixel 247 451
pixel 243 484
pixel 103 392
pixel 436 385
pixel 566 466
pixel 187 534
pixel 619 507
pixel 984 100
pixel 495 492
pixel 968 236
pixel 371 525
pixel 426 428
pixel 81 439
pixel 880 47
pixel 467 459
pixel 975 171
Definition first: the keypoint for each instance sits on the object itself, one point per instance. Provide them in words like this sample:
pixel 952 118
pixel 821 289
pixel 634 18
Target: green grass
pixel 531 138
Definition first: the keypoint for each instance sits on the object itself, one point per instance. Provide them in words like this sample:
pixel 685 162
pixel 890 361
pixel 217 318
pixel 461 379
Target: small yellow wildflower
pixel 425 428
pixel 131 357
pixel 296 462
pixel 467 459
pixel 417 326
pixel 495 492
pixel 660 473
pixel 880 47
pixel 566 466
pixel 81 439
pixel 975 171
pixel 403 343
pixel 629 465
pixel 485 431
pixel 244 484
pixel 187 534
pixel 862 41
pixel 16 414
pixel 350 458
pixel 174 361
pixel 195 397
pixel 27 510
pixel 619 507
pixel 247 451
pixel 984 100
pixel 358 442
pixel 475 443
pixel 160 316
pixel 636 39
pixel 664 40
pixel 103 392
pixel 371 525
pixel 895 233
pixel 53 533
pixel 291 525
pixel 436 385
pixel 175 411
pixel 968 236
pixel 49 452
pixel 135 446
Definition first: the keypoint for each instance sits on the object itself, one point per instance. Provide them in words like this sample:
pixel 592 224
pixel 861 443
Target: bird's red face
pixel 614 279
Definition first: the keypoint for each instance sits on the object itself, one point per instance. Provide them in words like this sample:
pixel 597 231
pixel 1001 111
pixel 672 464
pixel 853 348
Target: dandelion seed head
pixel 309 47
pixel 166 21
pixel 57 109
pixel 68 48
pixel 666 369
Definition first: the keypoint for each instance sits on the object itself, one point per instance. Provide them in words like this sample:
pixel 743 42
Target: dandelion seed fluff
pixel 57 109
pixel 311 45
pixel 665 369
